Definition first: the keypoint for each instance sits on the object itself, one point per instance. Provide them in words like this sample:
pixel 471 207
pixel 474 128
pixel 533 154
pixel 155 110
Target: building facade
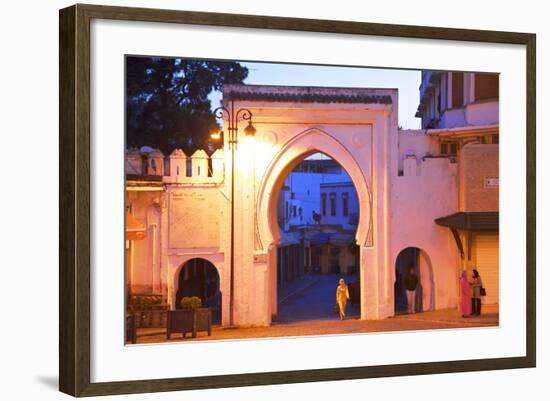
pixel 463 111
pixel 458 99
pixel 404 186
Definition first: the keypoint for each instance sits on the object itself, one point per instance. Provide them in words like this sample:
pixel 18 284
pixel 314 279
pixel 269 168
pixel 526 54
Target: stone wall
pixel 426 190
pixel 479 178
pixel 182 207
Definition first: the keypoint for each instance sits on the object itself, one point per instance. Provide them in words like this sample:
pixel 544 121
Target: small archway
pixel 419 260
pixel 199 278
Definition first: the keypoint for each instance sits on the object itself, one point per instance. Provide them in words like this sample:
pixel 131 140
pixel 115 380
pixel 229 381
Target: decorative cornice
pixel 306 94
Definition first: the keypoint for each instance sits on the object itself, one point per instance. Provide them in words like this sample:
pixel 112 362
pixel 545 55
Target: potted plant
pixel 149 309
pixel 190 319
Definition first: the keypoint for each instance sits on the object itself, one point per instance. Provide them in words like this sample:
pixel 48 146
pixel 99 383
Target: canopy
pixel 134 229
pixel 470 221
pixel 342 239
pixel 320 238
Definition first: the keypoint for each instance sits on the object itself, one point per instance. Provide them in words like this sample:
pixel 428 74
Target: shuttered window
pixel 488 265
pixel 486 86
pixel 458 89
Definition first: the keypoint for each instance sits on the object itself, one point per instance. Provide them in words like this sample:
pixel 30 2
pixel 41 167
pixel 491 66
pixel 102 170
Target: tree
pixel 167 103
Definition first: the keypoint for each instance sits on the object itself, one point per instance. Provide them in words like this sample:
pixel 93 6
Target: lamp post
pixel 233 117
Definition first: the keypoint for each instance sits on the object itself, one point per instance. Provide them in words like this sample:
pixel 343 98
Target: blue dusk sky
pixel 406 81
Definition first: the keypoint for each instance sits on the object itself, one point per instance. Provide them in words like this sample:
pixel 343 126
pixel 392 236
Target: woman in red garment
pixel 465 295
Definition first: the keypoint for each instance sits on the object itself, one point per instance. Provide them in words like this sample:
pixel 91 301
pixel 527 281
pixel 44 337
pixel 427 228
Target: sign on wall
pixel 491 182
pixel 194 218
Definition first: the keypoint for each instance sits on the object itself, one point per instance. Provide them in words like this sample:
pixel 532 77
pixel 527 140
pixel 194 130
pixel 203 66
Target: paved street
pixel 308 309
pixel 316 301
pixel 443 319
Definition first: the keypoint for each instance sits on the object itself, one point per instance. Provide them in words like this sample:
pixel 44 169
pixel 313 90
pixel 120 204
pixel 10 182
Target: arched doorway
pixel 419 261
pixel 199 278
pixel 267 229
pixel 317 215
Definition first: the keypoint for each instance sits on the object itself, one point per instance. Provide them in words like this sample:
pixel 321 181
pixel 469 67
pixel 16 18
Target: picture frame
pixel 75 205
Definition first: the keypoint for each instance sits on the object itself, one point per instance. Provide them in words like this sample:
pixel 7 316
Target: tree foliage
pixel 167 103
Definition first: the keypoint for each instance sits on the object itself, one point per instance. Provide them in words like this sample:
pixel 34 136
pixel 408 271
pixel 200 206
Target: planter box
pixel 154 318
pixel 189 321
pixel 146 302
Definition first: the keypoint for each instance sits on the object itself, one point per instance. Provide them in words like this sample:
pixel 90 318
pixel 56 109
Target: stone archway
pixel 300 146
pixel 200 278
pixel 425 296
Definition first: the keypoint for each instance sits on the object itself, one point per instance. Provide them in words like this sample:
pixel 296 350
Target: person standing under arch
pixel 411 282
pixel 342 297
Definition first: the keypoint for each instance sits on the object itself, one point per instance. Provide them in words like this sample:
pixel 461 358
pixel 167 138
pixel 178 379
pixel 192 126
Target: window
pixel 294 211
pixel 286 210
pixel 345 207
pixel 458 89
pixel 324 204
pixel 333 204
pixel 453 147
pixel 486 86
pixel 449 148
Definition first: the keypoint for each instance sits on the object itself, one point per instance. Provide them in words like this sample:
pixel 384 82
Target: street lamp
pixel 232 117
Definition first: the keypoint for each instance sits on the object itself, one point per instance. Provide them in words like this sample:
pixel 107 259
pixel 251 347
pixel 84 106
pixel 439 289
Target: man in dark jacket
pixel 411 282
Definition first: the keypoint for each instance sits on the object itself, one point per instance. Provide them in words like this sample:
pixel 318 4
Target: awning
pixel 336 239
pixel 320 238
pixel 470 221
pixel 289 238
pixel 134 229
pixel 342 239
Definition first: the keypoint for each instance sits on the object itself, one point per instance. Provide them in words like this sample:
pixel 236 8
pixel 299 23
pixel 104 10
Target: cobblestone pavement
pixel 442 319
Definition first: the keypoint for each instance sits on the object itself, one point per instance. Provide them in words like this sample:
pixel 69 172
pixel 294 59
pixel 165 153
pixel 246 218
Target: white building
pixel 458 99
pixel 301 193
pixel 464 110
pixel 318 213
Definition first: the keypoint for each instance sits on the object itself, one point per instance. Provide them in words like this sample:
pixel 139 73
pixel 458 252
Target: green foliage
pixel 167 103
pixel 190 302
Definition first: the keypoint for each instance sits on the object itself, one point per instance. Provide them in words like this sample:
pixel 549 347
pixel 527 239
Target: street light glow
pixel 216 135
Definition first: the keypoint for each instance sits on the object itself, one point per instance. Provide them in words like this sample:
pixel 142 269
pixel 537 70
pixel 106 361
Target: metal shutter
pixel 487 265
